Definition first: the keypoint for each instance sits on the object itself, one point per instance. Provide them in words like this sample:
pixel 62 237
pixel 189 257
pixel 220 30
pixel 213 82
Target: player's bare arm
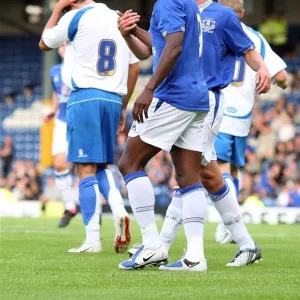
pixel 56 15
pixel 127 25
pixel 256 63
pixel 54 109
pixel 133 74
pixel 167 61
pixel 281 79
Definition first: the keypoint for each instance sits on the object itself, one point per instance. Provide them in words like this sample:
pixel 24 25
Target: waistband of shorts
pixel 92 94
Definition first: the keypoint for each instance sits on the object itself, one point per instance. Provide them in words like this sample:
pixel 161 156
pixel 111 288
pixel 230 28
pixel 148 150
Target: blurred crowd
pixel 272 171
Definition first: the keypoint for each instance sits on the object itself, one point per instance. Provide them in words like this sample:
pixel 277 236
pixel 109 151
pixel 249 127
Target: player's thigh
pixel 164 125
pixel 136 155
pixel 224 147
pixel 192 137
pixel 239 149
pixel 211 126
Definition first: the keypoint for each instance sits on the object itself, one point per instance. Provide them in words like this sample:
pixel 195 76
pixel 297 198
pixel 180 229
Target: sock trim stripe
pixel 219 195
pixel 186 222
pixel 135 175
pixel 63 174
pixel 193 220
pixel 145 206
pixel 235 220
pixel 190 189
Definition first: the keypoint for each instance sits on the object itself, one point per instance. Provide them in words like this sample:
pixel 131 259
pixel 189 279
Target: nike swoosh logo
pixel 82 251
pixel 146 259
pixel 190 264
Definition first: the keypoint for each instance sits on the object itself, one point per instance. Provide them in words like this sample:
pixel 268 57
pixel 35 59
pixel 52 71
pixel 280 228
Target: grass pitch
pixel 35 265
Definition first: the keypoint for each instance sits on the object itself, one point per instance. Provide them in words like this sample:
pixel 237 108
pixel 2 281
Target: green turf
pixel 35 265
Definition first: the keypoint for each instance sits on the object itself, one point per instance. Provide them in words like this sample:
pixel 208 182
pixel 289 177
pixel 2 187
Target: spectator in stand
pixel 24 181
pixel 6 155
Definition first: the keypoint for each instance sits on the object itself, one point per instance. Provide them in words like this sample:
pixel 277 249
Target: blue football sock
pixel 89 198
pixel 109 188
pixel 237 185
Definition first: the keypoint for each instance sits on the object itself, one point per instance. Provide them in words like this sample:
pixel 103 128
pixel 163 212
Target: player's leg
pixel 227 206
pixel 224 149
pixel 173 219
pixel 109 187
pixel 141 197
pixel 90 204
pixel 160 131
pixel 92 130
pixel 210 128
pixel 63 178
pixel 186 156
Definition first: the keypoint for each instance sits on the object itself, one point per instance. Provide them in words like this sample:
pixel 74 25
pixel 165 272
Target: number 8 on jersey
pixel 106 65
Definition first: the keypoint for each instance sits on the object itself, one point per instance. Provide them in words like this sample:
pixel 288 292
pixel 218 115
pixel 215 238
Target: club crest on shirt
pixel 208 25
pixel 133 127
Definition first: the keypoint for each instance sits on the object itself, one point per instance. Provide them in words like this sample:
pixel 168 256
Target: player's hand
pixel 141 105
pixel 263 80
pixel 122 122
pixel 62 4
pixel 49 117
pixel 128 22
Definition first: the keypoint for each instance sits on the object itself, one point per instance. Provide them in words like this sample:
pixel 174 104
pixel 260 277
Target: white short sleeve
pixel 273 62
pixel 133 59
pixel 57 35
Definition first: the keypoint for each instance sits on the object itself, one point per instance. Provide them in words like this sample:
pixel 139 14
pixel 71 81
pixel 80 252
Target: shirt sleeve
pixel 235 37
pixel 56 36
pixel 171 17
pixel 273 62
pixel 133 59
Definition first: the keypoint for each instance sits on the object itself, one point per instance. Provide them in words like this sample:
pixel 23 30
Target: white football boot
pixel 186 266
pixel 144 257
pixel 122 230
pixel 246 257
pixel 87 248
pixel 223 235
pixel 134 249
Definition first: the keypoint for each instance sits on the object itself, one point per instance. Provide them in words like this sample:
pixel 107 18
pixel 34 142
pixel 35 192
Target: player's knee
pixel 185 180
pixel 210 179
pixel 125 166
pixel 60 166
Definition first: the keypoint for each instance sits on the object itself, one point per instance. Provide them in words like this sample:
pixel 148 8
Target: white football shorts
pixel 167 126
pixel 211 126
pixel 59 144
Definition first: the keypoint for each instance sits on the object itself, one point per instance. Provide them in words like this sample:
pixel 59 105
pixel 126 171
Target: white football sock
pixel 63 181
pixel 194 208
pixel 172 220
pixel 142 200
pixel 226 204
